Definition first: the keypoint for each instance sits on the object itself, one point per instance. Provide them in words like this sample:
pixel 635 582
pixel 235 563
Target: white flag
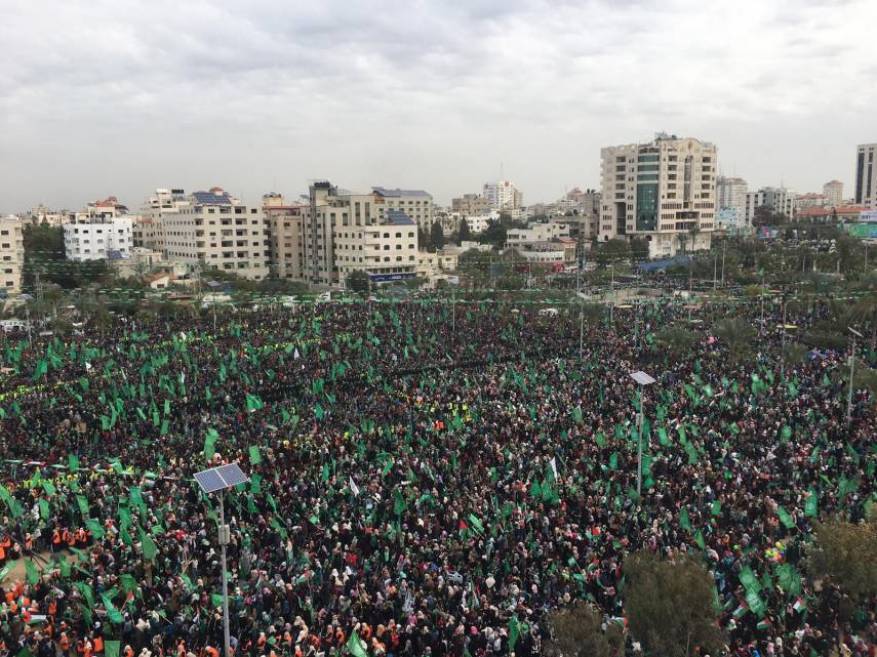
pixel 88 367
pixel 354 488
pixel 554 466
pixel 295 354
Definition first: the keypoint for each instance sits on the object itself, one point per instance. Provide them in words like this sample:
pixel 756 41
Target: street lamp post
pixel 642 379
pixel 855 335
pixel 215 480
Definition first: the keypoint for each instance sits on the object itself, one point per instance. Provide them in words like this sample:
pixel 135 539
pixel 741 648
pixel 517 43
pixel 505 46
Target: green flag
pixel 811 506
pixel 254 403
pixel 111 648
pixel 356 646
pixel 31 573
pixel 210 439
pixel 684 521
pixel 785 518
pixel 255 457
pixel 514 632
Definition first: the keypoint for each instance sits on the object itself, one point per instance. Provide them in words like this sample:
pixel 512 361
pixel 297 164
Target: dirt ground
pixel 41 559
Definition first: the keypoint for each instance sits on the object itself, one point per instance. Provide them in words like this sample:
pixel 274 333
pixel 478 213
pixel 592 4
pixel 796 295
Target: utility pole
pixel 723 262
pixel 715 270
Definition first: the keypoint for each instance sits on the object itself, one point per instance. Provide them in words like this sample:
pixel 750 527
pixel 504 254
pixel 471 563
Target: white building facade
pixel 731 201
pixel 663 191
pixel 98 238
pixel 11 254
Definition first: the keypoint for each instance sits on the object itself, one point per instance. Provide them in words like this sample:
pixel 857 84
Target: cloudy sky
pixel 102 97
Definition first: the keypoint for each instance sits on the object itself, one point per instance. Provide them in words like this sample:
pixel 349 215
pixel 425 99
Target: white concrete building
pixel 663 191
pixel 778 199
pixel 537 232
pixel 415 203
pixel 99 233
pixel 833 191
pixel 209 230
pixel 731 196
pixel 11 254
pixel 503 195
pixel 866 175
pixel 479 223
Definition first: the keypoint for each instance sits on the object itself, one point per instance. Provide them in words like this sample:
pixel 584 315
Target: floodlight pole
pixel 223 541
pixel 581 328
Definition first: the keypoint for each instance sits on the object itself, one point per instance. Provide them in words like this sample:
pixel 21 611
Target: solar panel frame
pixel 220 478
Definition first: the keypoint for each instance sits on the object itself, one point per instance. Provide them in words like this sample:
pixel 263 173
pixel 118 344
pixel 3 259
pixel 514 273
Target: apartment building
pixel 663 191
pixel 470 204
pixel 866 175
pixel 285 235
pixel 415 203
pixel 833 191
pixel 343 232
pixel 537 232
pixel 102 231
pixel 11 254
pixel 778 199
pixel 731 201
pixel 210 230
pixel 503 195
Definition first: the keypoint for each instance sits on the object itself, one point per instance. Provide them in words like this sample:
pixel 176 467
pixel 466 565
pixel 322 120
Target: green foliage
pixel 436 236
pixel 737 336
pixel 617 250
pixel 578 632
pixel 464 234
pixel 358 281
pixel 670 605
pixel 846 554
pixel 676 340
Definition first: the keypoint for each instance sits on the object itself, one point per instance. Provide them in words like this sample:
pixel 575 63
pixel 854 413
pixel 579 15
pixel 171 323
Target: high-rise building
pixel 833 191
pixel 503 195
pixel 663 191
pixel 11 254
pixel 866 175
pixel 208 230
pixel 731 200
pixel 415 203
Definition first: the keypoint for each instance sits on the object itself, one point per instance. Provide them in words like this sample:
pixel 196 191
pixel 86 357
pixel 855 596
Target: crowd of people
pixel 425 478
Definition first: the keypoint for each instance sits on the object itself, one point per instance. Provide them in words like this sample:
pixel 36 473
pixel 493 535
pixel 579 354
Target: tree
pixel 358 281
pixel 737 335
pixel 495 233
pixel 670 605
pixel 639 249
pixel 613 251
pixel 578 632
pixel 845 554
pixel 437 236
pixel 423 239
pixel 465 234
pixel 675 340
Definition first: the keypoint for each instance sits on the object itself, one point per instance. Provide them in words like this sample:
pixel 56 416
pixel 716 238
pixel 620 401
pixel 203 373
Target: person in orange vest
pixel 210 651
pixel 56 540
pixel 98 643
pixel 129 651
pixel 64 643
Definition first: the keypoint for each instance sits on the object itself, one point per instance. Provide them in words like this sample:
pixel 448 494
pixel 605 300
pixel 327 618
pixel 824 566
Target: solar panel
pixel 225 476
pixel 209 481
pixel 232 474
